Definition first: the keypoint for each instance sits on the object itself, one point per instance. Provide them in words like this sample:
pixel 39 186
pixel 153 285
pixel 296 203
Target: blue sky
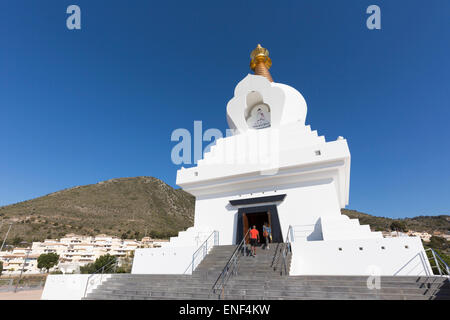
pixel 78 107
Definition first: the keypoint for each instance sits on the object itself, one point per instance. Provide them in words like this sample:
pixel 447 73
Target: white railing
pixel 109 267
pixel 202 251
pixel 439 263
pixel 287 247
pixel 230 268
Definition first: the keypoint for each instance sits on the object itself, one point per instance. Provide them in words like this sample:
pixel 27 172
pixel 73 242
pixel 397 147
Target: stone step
pixel 267 296
pixel 391 278
pixel 236 295
pixel 284 280
pixel 288 291
pixel 348 279
pixel 261 277
pixel 295 278
pixel 162 281
pixel 281 281
pixel 318 281
pixel 331 287
pixel 255 289
pixel 323 296
pixel 257 279
pixel 115 286
pixel 155 295
pixel 248 269
pixel 276 290
pixel 149 276
pixel 291 279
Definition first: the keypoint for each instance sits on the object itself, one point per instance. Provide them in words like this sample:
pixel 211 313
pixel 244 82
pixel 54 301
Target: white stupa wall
pixel 403 256
pixel 297 162
pixel 303 205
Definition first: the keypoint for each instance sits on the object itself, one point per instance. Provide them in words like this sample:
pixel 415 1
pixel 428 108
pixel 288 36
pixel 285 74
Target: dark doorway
pixel 247 217
pixel 255 219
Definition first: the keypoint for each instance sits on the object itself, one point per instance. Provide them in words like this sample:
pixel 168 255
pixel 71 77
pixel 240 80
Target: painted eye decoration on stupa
pixel 259 117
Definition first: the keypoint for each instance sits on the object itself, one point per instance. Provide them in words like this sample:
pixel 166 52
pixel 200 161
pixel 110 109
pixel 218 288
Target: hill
pixel 127 207
pixel 420 223
pixel 134 207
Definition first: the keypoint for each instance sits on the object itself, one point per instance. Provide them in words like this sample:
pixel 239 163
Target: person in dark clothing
pixel 267 234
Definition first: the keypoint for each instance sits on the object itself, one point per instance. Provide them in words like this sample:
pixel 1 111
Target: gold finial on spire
pixel 261 62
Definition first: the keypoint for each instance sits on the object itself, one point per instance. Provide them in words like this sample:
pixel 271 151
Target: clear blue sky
pixel 78 107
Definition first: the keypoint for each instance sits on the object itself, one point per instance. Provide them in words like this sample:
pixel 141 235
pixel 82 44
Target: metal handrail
pixel 203 246
pixel 276 257
pixel 439 262
pixel 100 271
pixel 287 247
pixel 229 269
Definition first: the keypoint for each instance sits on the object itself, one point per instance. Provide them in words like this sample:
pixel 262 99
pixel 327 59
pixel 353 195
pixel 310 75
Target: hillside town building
pixel 74 251
pixel 425 236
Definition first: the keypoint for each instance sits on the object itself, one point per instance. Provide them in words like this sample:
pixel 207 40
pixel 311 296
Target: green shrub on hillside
pixel 106 261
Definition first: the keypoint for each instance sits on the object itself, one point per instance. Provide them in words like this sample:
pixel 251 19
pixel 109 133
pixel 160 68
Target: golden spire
pixel 261 62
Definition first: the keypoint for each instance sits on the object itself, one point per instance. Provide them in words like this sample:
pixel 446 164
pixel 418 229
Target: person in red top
pixel 254 239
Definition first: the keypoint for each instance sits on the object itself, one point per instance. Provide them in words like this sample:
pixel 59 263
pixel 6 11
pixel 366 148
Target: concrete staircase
pixel 260 278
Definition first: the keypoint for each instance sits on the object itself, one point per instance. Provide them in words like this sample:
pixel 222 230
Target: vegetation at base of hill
pixel 34 280
pixel 439 243
pixel 398 226
pixel 1 267
pixel 47 261
pixel 420 223
pixel 441 246
pixel 126 207
pixel 107 261
pixel 441 254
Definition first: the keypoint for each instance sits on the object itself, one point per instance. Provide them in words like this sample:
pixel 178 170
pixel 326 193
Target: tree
pixel 1 267
pixel 398 226
pixel 439 243
pixel 17 240
pixel 107 261
pixel 47 261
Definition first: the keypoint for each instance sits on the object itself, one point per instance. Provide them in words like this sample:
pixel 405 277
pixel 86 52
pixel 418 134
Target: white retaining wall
pixel 70 286
pixel 403 256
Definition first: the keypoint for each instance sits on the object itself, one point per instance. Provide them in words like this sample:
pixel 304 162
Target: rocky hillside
pixel 421 223
pixel 127 207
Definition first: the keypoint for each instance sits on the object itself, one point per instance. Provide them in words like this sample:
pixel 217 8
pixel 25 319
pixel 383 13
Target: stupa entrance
pixel 255 212
pixel 255 219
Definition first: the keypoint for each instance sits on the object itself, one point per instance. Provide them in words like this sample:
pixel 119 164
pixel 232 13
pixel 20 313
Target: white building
pixel 13 261
pixel 425 236
pixel 276 169
pixel 74 251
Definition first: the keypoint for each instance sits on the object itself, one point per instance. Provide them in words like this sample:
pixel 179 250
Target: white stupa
pixel 275 169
